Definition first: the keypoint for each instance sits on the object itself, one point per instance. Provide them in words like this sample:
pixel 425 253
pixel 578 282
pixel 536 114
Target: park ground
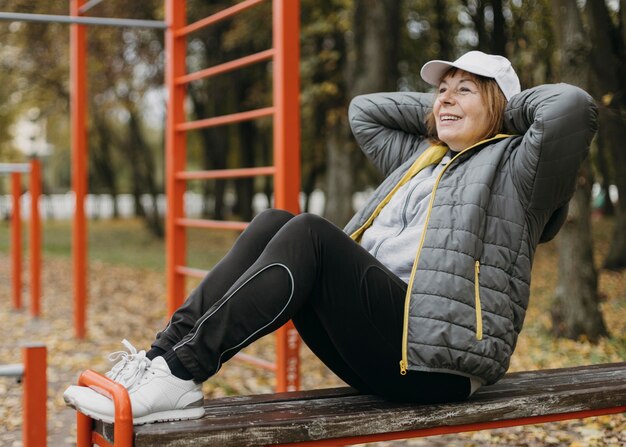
pixel 127 300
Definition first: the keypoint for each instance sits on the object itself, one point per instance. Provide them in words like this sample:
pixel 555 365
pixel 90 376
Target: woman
pixel 435 273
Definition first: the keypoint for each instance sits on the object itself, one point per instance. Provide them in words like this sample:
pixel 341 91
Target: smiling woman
pixel 434 271
pixel 478 96
pixel 463 205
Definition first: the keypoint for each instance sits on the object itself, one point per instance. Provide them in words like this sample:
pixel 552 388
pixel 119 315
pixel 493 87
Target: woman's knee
pixel 273 216
pixel 309 221
pixel 311 227
pixel 274 213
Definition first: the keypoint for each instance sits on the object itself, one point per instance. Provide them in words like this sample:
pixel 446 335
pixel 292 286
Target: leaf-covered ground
pixel 130 303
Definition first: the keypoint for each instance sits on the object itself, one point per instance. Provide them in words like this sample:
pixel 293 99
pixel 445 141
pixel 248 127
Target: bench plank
pixel 341 412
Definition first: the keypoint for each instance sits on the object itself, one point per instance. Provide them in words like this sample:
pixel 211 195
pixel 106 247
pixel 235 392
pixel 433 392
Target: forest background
pixel 348 47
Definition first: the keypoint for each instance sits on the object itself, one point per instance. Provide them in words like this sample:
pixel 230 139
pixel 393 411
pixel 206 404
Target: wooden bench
pixel 341 416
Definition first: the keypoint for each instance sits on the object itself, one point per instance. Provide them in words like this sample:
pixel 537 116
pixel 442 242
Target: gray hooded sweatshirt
pixel 490 206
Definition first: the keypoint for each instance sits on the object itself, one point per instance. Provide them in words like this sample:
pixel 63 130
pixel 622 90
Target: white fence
pixel 100 206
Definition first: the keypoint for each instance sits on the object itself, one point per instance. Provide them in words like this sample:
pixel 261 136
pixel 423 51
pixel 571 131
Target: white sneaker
pixel 130 366
pixel 158 396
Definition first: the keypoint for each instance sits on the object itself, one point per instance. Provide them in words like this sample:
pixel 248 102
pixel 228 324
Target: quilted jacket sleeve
pixel 389 126
pixel 558 123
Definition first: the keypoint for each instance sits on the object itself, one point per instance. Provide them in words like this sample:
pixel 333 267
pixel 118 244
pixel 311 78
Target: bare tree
pixel 490 27
pixel 609 75
pixel 371 65
pixel 575 309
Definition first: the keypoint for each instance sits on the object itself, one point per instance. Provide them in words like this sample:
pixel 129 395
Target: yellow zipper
pixel 432 155
pixel 479 312
pixel 404 362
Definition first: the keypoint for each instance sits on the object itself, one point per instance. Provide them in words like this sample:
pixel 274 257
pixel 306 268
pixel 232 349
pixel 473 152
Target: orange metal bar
pixel 212 224
pixel 16 240
pixel 34 428
pixel 443 430
pixel 226 67
pixel 255 361
pixel 287 358
pixel 226 173
pixel 78 111
pixel 286 92
pixel 35 238
pixel 175 151
pixel 84 430
pixel 226 119
pixel 188 271
pixel 286 112
pixel 123 423
pixel 286 26
pixel 224 14
pixel 98 439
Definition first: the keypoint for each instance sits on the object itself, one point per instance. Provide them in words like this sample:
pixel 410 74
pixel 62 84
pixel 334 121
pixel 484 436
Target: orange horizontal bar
pixel 225 173
pixel 99 440
pixel 123 426
pixel 226 119
pixel 449 429
pixel 212 224
pixel 224 14
pixel 188 271
pixel 226 67
pixel 255 361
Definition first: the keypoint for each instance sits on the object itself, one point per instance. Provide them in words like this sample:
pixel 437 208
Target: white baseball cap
pixel 488 65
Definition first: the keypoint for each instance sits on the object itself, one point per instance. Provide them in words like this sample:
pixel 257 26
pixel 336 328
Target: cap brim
pixel 433 71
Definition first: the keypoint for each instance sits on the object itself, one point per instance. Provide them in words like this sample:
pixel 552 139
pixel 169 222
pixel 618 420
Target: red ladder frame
pixel 286 169
pixel 15 170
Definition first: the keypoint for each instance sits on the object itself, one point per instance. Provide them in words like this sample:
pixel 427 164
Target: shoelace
pixel 130 366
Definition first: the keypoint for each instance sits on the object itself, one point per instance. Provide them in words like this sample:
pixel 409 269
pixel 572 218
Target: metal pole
pixel 287 104
pixel 87 6
pixel 286 28
pixel 78 111
pixel 35 238
pixel 16 240
pixel 123 415
pixel 15 370
pixel 175 152
pixel 34 429
pixel 74 19
pixel 7 168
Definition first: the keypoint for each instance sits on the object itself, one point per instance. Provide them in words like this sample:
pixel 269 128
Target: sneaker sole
pixel 160 416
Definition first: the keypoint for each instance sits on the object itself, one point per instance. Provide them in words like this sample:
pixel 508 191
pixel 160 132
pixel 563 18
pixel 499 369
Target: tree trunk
pixel 371 65
pixel 476 11
pixel 499 29
pixel 340 176
pixel 143 168
pixel 248 137
pixel 575 309
pixel 214 148
pixel 102 159
pixel 606 207
pixel 609 69
pixel 442 28
pixel 616 135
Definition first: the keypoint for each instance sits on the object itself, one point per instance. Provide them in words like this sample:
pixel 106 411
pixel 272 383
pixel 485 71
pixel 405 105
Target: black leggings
pixel 347 307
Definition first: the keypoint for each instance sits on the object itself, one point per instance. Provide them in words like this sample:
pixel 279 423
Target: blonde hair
pixel 495 103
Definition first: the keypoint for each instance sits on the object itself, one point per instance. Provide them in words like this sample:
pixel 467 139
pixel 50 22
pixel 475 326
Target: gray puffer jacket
pixel 470 282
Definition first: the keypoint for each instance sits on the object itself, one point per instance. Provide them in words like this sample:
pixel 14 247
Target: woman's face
pixel 460 112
